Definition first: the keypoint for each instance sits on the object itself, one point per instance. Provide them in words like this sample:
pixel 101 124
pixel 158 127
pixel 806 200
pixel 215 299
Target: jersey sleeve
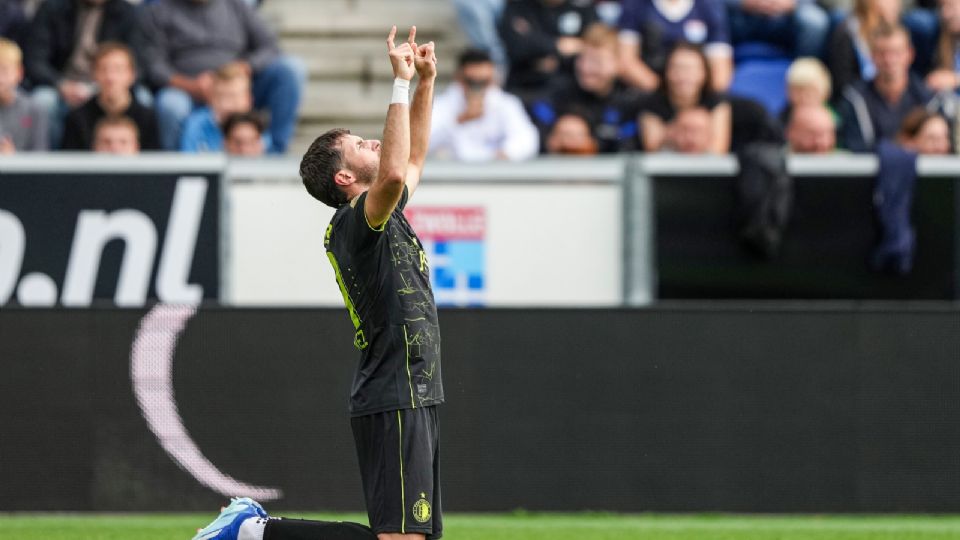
pixel 631 20
pixel 718 30
pixel 354 227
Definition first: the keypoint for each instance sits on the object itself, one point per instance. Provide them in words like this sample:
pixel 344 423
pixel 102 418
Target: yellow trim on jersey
pixel 403 496
pixel 360 340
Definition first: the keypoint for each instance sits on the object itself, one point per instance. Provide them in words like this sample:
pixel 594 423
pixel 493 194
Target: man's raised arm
pixel 425 62
pixel 385 193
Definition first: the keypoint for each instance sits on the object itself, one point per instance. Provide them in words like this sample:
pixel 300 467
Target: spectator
pixel 808 83
pixel 479 20
pixel 115 71
pixel 571 135
pixel 116 135
pixel 475 120
pixel 649 29
pixel 686 85
pixel 243 135
pixel 811 129
pixel 230 95
pixel 188 40
pixel 925 132
pixel 871 111
pixel 945 74
pixel 799 27
pixel 541 38
pixel 23 125
pixel 63 40
pixel 595 92
pixel 690 132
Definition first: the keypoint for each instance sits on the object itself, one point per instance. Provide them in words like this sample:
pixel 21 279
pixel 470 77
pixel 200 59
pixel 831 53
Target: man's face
pixel 120 140
pixel 933 137
pixel 596 69
pixel 691 132
pixel 950 15
pixel 231 97
pixel 114 74
pixel 361 157
pixel 571 135
pixel 244 140
pixel 10 75
pixel 812 131
pixel 892 55
pixel 476 78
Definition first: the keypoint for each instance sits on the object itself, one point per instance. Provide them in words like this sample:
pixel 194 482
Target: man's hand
pixel 75 93
pixel 402 57
pixel 425 60
pixel 6 146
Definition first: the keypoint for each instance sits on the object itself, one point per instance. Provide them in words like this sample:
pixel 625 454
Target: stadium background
pixel 649 366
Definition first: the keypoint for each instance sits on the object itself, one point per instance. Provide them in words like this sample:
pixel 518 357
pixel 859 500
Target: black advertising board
pixel 124 237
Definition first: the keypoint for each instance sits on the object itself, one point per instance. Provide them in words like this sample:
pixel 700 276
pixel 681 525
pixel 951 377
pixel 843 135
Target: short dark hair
pixel 473 56
pixel 118 120
pixel 110 47
pixel 319 166
pixel 252 117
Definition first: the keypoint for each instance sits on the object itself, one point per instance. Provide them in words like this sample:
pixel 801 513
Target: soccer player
pixel 382 271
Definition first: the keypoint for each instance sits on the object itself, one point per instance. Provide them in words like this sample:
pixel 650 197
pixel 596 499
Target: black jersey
pixel 385 282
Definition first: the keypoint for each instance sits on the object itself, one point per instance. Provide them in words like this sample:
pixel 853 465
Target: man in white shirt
pixel 475 120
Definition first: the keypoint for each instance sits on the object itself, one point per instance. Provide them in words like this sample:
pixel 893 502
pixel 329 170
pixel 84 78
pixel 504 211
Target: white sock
pixel 252 529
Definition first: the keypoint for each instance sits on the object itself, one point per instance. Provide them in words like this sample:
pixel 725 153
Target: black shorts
pixel 399 454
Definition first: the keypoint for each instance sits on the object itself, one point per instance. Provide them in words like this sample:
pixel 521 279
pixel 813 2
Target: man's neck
pixel 115 104
pixel 891 89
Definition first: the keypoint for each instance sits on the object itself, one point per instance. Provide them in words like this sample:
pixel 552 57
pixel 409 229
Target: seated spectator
pixel 690 132
pixel 848 52
pixel 649 30
pixel 115 71
pixel 230 95
pixel 799 27
pixel 116 135
pixel 475 120
pixel 609 106
pixel 541 38
pixel 686 85
pixel 478 21
pixel 811 130
pixel 808 83
pixel 243 135
pixel 63 39
pixel 23 125
pixel 946 73
pixel 871 111
pixel 925 132
pixel 187 41
pixel 571 135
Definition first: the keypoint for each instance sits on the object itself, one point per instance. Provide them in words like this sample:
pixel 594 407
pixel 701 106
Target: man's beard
pixel 367 174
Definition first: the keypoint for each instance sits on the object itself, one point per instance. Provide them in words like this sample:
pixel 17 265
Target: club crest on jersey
pixel 421 509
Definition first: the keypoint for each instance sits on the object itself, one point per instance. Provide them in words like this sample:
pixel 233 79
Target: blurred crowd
pixel 118 76
pixel 701 76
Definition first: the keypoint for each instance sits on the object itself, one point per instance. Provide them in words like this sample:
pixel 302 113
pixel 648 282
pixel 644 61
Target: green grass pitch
pixel 520 526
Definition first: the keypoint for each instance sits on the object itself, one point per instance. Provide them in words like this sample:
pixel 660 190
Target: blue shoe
pixel 227 524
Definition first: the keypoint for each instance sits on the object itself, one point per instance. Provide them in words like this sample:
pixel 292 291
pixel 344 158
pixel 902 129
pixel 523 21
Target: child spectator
pixel 60 47
pixel 188 40
pixel 116 135
pixel 475 120
pixel 115 71
pixel 808 83
pixel 23 125
pixel 595 92
pixel 243 135
pixel 945 74
pixel 799 27
pixel 230 95
pixel 925 132
pixel 811 129
pixel 649 29
pixel 872 111
pixel 541 38
pixel 571 135
pixel 686 85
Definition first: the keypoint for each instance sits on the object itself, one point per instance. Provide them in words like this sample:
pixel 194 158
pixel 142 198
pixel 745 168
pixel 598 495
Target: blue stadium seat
pixel 762 80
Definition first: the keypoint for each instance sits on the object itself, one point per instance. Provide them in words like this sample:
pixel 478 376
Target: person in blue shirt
pixel 649 30
pixel 799 27
pixel 231 94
